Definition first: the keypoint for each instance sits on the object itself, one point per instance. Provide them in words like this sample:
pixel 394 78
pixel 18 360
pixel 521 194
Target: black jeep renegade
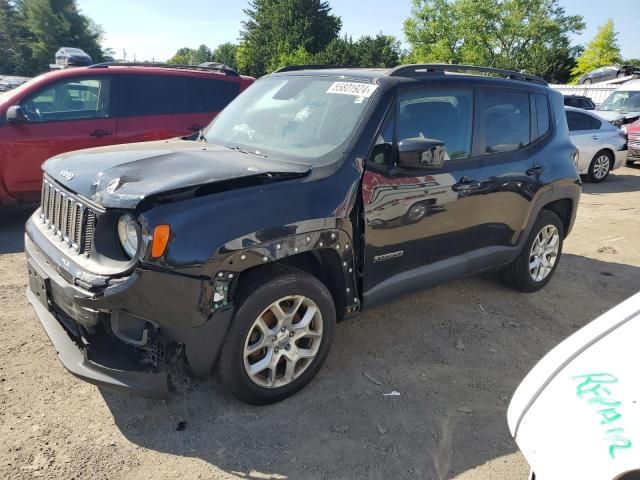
pixel 316 193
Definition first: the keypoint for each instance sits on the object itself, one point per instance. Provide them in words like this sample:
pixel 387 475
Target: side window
pixel 505 120
pixel 542 114
pixel 578 121
pixel 595 123
pixel 383 149
pixel 214 95
pixel 156 95
pixel 445 115
pixel 70 100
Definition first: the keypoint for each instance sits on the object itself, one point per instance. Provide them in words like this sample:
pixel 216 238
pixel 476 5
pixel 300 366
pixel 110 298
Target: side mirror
pixel 421 153
pixel 15 114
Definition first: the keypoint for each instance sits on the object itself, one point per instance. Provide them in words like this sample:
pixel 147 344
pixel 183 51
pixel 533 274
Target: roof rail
pixel 217 68
pixel 419 70
pixel 294 68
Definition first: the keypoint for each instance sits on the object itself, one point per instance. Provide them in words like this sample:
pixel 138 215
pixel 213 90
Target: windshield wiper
pixel 238 149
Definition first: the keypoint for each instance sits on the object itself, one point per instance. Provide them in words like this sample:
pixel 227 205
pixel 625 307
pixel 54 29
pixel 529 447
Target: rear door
pixel 585 134
pixel 68 115
pixel 157 107
pixel 510 137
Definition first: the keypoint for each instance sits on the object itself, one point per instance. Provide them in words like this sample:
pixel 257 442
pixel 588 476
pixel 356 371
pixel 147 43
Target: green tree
pixel 183 56
pixel 226 53
pixel 601 51
pixel 52 24
pixel 12 59
pixel 287 56
pixel 381 51
pixel 202 54
pixel 530 35
pixel 278 28
pixel 340 51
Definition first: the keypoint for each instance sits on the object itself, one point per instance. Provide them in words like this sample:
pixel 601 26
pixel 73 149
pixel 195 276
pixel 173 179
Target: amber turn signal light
pixel 160 240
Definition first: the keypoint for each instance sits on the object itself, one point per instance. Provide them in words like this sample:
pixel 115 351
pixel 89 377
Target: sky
pixel 155 29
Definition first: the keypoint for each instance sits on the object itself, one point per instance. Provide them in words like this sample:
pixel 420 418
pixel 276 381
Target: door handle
pixel 465 185
pixel 99 133
pixel 535 170
pixel 195 128
pixel 595 137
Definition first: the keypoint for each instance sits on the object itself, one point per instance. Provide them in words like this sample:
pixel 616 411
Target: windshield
pixel 299 117
pixel 622 101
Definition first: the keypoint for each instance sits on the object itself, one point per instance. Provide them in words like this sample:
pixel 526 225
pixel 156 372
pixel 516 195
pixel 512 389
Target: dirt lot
pixel 455 354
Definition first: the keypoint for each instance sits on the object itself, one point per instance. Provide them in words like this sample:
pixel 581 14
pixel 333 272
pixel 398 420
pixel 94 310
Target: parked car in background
pixel 633 142
pixel 579 101
pixel 102 105
pixel 316 193
pixel 622 106
pixel 576 414
pixel 601 146
pixel 72 57
pixel 9 83
pixel 608 73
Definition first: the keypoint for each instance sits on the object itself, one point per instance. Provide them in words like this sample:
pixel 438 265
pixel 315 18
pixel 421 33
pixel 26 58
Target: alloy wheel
pixel 601 166
pixel 283 341
pixel 544 253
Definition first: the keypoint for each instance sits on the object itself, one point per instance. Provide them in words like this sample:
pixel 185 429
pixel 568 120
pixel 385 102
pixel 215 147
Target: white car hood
pixel 612 115
pixel 576 415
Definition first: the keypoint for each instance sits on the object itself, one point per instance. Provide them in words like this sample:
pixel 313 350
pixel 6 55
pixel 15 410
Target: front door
pixel 420 222
pixel 69 115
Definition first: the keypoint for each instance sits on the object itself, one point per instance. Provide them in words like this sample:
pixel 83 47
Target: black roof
pixel 413 71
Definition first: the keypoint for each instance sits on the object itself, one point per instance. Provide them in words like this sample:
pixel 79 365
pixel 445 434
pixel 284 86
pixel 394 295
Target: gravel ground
pixel 455 354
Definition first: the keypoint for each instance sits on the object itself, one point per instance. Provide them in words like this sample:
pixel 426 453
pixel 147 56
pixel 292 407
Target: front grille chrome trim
pixel 73 222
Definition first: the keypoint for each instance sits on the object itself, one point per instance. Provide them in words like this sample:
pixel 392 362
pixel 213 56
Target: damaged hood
pixel 123 175
pixel 614 115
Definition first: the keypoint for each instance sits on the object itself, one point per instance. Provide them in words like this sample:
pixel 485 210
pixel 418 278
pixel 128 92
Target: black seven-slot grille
pixel 72 222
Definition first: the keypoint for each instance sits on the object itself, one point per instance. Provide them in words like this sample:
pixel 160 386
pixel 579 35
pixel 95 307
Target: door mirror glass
pixel 419 152
pixel 15 114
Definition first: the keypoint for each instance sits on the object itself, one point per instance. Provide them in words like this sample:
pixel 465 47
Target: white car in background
pixel 601 146
pixel 576 415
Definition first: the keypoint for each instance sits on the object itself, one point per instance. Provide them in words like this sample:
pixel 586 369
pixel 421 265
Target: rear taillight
pixel 575 156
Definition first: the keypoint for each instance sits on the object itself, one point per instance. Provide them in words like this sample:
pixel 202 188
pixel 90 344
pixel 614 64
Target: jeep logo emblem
pixel 66 174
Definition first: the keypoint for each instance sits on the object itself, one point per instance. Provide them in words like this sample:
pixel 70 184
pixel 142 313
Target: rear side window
pixel 214 95
pixel 542 114
pixel 156 95
pixel 580 121
pixel 505 120
pixel 444 115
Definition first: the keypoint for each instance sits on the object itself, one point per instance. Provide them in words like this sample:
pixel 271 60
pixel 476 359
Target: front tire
pixel 279 337
pixel 600 166
pixel 540 255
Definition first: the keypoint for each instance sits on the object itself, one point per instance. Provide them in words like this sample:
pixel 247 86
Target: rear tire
pixel 267 331
pixel 600 166
pixel 523 273
pixel 587 81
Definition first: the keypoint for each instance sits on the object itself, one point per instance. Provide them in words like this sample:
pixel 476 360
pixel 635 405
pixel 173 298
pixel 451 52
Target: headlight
pixel 624 129
pixel 128 234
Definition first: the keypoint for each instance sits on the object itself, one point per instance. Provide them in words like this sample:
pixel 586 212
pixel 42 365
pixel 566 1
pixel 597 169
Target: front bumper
pixel 173 310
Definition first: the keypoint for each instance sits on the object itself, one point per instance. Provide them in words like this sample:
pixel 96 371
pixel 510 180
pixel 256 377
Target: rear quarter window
pixel 213 95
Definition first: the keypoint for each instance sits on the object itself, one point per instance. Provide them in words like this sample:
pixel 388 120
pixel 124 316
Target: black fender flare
pixel 236 260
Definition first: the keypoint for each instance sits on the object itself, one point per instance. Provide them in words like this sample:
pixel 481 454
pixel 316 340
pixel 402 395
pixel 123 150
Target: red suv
pixel 103 104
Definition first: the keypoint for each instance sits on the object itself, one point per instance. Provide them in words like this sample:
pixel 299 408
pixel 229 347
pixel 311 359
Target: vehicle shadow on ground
pixel 455 354
pixel 12 220
pixel 616 182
